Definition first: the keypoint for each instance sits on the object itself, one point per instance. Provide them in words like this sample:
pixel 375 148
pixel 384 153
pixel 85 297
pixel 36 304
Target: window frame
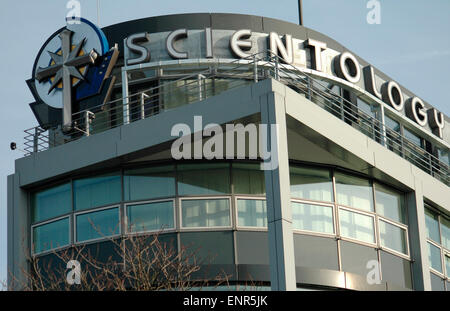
pixel 364 213
pixel 71 237
pixel 205 198
pixel 248 228
pixel 76 214
pixel 316 233
pixel 406 232
pixel 165 230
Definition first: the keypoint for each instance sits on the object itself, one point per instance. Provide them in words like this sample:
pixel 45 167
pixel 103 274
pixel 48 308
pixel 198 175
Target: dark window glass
pixel 150 216
pixel 97 191
pixel 354 191
pixel 209 247
pixel 311 183
pixel 396 270
pixel 98 224
pixel 390 203
pixel 248 179
pixel 51 203
pixel 51 235
pixel 148 183
pixel 445 230
pixel 321 252
pixel 252 248
pixel 432 225
pixel 203 179
pixel 392 124
pixel 447 264
pixel 416 140
pixel 355 257
pixel 437 284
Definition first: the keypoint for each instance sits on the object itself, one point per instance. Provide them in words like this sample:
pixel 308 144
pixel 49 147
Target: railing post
pixel 308 83
pixel 36 139
pixel 142 106
pixel 255 69
pixel 89 116
pixel 277 68
pixel 200 86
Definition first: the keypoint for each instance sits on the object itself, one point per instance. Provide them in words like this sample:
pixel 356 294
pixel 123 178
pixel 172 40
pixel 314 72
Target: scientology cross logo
pixel 72 72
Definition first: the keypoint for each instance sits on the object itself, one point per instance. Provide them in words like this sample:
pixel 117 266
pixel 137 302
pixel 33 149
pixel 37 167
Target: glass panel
pixel 252 213
pixel 312 217
pixel 393 237
pixel 416 140
pixel 356 226
pixel 98 224
pixel 447 265
pixel 311 183
pixel 354 191
pixel 445 230
pixel 248 179
pixel 150 216
pixel 51 203
pixel 432 225
pixel 443 155
pixel 97 191
pixel 390 203
pixel 392 124
pixel 203 179
pixel 434 257
pixel 51 235
pixel 206 213
pixel 148 183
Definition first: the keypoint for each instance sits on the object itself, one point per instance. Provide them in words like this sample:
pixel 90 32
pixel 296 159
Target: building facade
pixel 352 193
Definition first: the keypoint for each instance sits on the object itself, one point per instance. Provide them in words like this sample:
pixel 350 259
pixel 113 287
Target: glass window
pixel 206 213
pixel 392 124
pixel 365 107
pixel 148 183
pixel 312 217
pixel 390 203
pixel 443 155
pixel 248 179
pixel 150 216
pixel 432 225
pixel 447 264
pixel 97 191
pixel 434 257
pixel 203 179
pixel 98 224
pixel 51 203
pixel 311 183
pixel 354 192
pixel 416 140
pixel 392 237
pixel 51 235
pixel 356 226
pixel 252 213
pixel 445 230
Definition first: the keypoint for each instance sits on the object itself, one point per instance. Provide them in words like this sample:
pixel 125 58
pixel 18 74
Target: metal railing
pixel 213 81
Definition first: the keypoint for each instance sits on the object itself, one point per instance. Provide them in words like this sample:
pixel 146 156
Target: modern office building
pixel 356 184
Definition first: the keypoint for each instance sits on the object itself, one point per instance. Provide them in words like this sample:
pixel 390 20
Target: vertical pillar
pixel 125 101
pixel 279 215
pixel 418 239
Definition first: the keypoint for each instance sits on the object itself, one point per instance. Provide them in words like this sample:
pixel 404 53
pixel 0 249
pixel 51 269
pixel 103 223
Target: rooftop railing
pixel 170 94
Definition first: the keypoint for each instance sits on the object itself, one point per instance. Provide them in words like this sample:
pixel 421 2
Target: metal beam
pixel 300 12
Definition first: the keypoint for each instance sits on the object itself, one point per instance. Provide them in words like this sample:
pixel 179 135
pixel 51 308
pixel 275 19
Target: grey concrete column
pixel 418 238
pixel 18 233
pixel 281 241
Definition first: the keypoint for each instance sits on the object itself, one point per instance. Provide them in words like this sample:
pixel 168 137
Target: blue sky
pixel 412 45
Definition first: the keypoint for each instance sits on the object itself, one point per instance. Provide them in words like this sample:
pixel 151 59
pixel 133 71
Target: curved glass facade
pixel 205 201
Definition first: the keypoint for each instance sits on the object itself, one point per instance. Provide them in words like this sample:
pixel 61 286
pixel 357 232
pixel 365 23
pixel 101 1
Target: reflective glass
pixel 248 179
pixel 447 264
pixel 416 140
pixel 51 203
pixel 97 191
pixel 390 203
pixel 252 213
pixel 445 230
pixel 98 224
pixel 203 179
pixel 311 183
pixel 312 217
pixel 434 257
pixel 392 237
pixel 206 213
pixel 356 226
pixel 392 124
pixel 432 225
pixel 354 192
pixel 51 235
pixel 148 183
pixel 150 216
